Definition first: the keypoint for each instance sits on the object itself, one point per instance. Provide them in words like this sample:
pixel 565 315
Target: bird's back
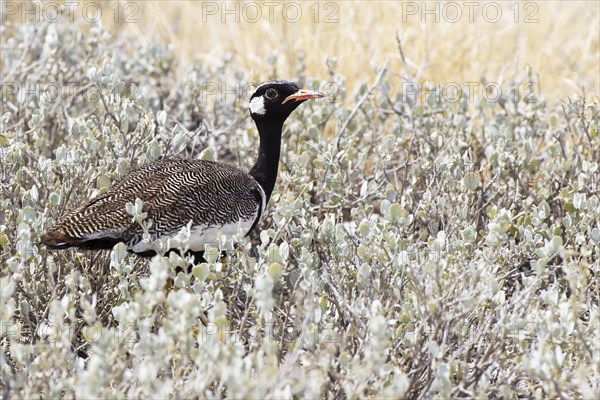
pixel 215 197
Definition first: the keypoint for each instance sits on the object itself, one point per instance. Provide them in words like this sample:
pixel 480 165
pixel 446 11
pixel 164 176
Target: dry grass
pixel 558 40
pixel 563 46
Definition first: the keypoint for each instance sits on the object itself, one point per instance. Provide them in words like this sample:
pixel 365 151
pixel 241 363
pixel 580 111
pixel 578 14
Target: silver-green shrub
pixel 414 247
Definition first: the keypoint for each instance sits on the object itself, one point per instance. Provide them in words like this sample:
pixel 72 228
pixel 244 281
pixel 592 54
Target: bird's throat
pixel 267 163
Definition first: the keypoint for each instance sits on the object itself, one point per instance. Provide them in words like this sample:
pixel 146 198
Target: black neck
pixel 267 163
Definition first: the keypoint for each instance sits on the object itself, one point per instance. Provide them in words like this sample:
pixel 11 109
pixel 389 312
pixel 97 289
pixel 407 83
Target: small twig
pixel 108 111
pixel 399 42
pixel 359 104
pixel 244 318
pixel 13 71
pixel 586 125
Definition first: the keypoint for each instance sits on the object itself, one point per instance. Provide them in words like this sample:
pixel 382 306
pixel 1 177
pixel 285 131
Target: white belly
pixel 200 238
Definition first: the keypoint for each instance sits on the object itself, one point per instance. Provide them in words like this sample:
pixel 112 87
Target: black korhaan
pixel 215 197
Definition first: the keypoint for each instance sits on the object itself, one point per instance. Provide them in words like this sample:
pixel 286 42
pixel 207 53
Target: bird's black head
pixel 275 100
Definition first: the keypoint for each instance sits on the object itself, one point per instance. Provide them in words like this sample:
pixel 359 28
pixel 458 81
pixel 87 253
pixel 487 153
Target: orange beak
pixel 303 95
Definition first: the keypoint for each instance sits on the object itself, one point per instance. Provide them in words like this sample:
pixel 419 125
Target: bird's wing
pixel 173 191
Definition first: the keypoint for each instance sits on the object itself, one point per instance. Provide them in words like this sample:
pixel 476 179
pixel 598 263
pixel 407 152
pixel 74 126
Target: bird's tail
pixel 55 239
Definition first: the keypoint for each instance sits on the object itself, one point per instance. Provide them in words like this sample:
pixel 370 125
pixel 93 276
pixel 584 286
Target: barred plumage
pixel 174 192
pixel 214 197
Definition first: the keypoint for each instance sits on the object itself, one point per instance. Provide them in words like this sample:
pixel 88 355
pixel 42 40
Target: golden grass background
pixel 563 46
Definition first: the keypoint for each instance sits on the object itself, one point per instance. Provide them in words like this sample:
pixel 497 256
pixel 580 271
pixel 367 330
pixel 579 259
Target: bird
pixel 206 196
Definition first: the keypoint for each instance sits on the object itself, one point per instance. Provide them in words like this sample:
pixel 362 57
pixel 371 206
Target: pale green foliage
pixel 435 249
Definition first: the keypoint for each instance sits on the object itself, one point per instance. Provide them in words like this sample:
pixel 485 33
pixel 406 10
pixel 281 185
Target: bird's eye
pixel 271 94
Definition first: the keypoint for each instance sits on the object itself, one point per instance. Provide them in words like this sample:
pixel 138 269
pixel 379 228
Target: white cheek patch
pixel 257 105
